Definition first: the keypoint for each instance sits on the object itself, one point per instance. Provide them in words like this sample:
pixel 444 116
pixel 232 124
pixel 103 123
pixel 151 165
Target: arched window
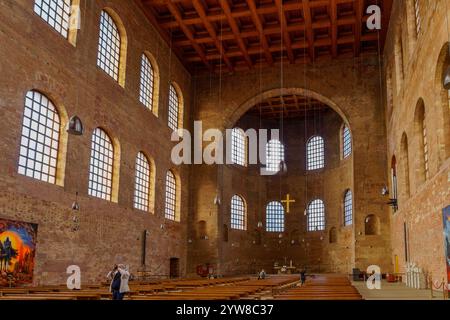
pixel 417 15
pixel 171 196
pixel 442 77
pixel 422 135
pixel 316 215
pixel 40 138
pixel 147 82
pixel 109 46
pixel 275 217
pixel 346 142
pixel 238 213
pixel 142 183
pixel 274 155
pixel 238 147
pixel 174 108
pixel 315 153
pixel 348 208
pixel 101 165
pixel 56 13
pixel 394 181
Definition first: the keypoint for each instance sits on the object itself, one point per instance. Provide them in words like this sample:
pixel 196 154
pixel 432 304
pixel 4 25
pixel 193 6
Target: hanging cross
pixel 288 202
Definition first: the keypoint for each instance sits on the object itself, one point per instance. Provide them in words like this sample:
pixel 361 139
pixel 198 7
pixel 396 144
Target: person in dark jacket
pixel 303 277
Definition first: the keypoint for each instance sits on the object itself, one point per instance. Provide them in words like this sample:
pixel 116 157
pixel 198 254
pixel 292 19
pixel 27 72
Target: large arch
pixel 244 107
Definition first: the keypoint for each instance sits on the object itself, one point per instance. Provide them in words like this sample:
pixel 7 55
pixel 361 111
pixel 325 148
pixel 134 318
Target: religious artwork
pixel 17 252
pixel 446 214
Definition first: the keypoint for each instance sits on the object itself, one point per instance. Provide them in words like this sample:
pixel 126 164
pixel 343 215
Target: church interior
pixel 95 96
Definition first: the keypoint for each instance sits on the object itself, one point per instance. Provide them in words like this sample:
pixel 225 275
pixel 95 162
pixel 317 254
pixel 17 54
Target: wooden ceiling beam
pixel 285 34
pixel 212 32
pixel 359 12
pixel 236 32
pixel 174 10
pixel 334 19
pixel 309 29
pixel 257 22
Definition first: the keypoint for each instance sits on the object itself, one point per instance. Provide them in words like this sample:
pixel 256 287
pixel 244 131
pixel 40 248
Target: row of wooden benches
pixel 329 287
pixel 186 289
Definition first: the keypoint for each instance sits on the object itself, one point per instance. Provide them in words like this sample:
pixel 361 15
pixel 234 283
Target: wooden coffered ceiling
pixel 232 35
pixel 288 106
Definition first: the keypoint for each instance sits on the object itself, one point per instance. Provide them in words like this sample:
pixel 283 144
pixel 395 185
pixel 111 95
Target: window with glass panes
pixel 174 108
pixel 56 13
pixel 316 216
pixel 274 155
pixel 238 147
pixel 142 183
pixel 108 58
pixel 315 153
pixel 238 213
pixel 348 208
pixel 101 165
pixel 40 138
pixel 275 217
pixel 171 196
pixel 147 85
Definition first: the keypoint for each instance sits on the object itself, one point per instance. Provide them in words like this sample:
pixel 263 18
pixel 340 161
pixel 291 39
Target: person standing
pixel 119 283
pixel 303 277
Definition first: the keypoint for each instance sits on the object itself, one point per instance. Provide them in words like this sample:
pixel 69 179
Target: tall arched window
pixel 238 147
pixel 348 208
pixel 346 142
pixel 40 138
pixel 109 46
pixel 422 135
pixel 171 196
pixel 56 13
pixel 142 183
pixel 274 155
pixel 174 108
pixel 394 182
pixel 238 213
pixel 101 165
pixel 147 82
pixel 274 217
pixel 442 77
pixel 315 153
pixel 316 215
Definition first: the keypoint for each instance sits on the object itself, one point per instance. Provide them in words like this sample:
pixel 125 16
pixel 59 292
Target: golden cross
pixel 288 202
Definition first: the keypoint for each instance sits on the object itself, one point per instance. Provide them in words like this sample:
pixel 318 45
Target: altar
pixel 284 269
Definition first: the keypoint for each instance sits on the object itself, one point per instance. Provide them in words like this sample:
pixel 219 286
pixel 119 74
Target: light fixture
pixel 280 235
pixel 75 205
pixel 260 224
pixel 217 200
pixel 75 126
pixel 447 79
pixel 282 167
pixel 385 191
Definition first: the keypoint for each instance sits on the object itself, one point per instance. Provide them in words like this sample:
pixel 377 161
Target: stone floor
pixel 395 291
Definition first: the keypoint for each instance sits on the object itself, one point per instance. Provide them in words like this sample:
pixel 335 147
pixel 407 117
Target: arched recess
pixel 443 128
pixel 225 233
pixel 372 225
pixel 404 164
pixel 333 235
pixel 244 107
pixel 421 143
pixel 202 232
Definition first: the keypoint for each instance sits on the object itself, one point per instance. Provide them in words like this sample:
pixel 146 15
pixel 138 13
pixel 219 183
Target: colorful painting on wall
pixel 446 213
pixel 17 252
